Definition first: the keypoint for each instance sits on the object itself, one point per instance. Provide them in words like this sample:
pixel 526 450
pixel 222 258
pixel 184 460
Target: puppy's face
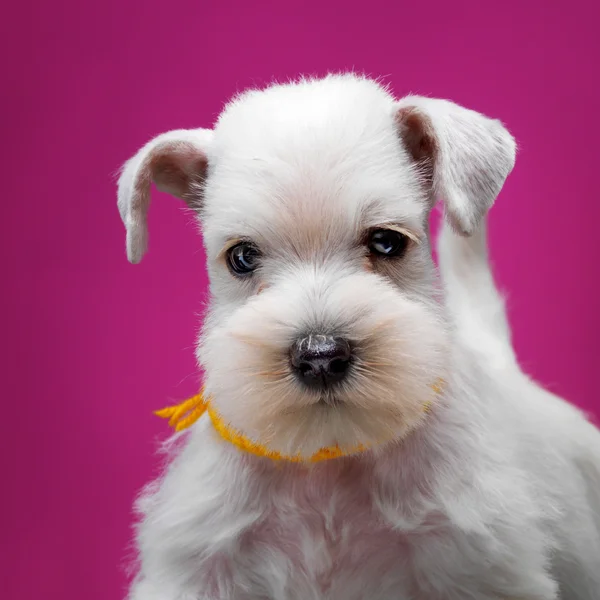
pixel 324 324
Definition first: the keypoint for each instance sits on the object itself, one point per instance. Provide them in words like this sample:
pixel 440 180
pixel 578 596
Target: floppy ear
pixel 462 156
pixel 176 162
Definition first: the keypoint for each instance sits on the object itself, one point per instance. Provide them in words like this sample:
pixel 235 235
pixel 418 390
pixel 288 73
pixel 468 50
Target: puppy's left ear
pixel 176 162
pixel 462 156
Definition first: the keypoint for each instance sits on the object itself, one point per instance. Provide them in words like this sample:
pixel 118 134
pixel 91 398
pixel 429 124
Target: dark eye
pixel 387 242
pixel 243 258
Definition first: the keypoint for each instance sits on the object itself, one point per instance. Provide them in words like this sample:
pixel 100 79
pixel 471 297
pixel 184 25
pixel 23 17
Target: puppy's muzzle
pixel 320 361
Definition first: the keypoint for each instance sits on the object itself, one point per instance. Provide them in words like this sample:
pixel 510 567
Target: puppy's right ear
pixel 176 162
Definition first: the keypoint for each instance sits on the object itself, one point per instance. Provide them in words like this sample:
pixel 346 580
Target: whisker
pixel 279 373
pixel 248 340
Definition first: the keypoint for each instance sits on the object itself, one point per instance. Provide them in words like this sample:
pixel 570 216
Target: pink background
pixel 91 345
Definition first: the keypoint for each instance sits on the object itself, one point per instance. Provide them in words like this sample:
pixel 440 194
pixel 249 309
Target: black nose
pixel 320 360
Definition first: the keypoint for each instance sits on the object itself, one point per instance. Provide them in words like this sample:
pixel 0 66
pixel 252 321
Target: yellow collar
pixel 181 416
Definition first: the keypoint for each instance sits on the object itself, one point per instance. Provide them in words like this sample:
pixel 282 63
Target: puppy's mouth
pixel 330 401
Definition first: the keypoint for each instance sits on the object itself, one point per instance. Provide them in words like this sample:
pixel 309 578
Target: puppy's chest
pixel 331 540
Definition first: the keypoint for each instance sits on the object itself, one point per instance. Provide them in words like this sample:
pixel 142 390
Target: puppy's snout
pixel 321 360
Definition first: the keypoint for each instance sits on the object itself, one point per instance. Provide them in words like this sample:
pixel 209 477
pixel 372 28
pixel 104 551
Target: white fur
pixel 494 494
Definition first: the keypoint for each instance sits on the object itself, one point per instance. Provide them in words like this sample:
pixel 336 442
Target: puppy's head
pixel 324 326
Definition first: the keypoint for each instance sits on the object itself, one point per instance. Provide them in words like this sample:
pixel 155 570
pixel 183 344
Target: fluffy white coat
pixel 493 494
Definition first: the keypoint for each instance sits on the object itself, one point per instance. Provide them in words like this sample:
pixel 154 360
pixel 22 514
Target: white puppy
pixel 460 478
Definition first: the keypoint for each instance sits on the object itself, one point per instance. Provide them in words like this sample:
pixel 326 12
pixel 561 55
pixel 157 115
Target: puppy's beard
pixel 399 346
